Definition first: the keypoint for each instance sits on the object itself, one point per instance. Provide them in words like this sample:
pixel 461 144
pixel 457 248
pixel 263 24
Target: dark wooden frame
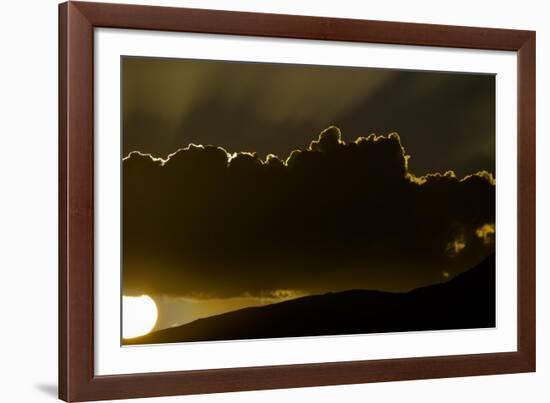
pixel 77 381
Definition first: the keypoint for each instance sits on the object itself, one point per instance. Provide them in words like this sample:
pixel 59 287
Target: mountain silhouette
pixel 464 302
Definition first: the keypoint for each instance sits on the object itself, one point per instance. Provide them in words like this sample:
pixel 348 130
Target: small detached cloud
pixel 456 246
pixel 487 233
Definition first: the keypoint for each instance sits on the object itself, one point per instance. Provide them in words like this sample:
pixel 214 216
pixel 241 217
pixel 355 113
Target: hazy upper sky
pixel 445 120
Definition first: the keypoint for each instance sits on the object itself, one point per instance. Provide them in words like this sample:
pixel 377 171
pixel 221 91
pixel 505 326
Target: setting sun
pixel 139 316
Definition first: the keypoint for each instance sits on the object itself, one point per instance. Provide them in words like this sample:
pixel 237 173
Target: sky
pixel 446 120
pixel 247 183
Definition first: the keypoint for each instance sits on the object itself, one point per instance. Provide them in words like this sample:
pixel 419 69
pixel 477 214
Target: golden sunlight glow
pixel 455 247
pixel 486 233
pixel 139 316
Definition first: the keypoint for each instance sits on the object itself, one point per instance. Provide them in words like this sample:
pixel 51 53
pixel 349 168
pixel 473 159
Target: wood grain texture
pixel 76 210
pixel 292 26
pixel 62 208
pixel 527 200
pixel 77 381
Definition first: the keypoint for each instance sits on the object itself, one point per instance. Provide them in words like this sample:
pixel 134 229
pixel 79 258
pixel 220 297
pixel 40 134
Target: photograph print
pixel 264 200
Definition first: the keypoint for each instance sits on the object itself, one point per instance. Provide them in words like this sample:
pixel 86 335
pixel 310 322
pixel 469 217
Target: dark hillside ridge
pixel 464 302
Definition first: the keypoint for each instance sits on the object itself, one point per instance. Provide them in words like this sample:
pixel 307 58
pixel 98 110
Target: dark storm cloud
pixel 335 215
pixel 446 119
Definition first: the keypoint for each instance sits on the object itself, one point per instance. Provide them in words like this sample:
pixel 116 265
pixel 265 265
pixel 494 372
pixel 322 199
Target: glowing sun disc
pixel 139 316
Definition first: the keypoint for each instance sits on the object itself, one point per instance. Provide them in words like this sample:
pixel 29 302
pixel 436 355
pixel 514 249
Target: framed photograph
pixel 256 201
